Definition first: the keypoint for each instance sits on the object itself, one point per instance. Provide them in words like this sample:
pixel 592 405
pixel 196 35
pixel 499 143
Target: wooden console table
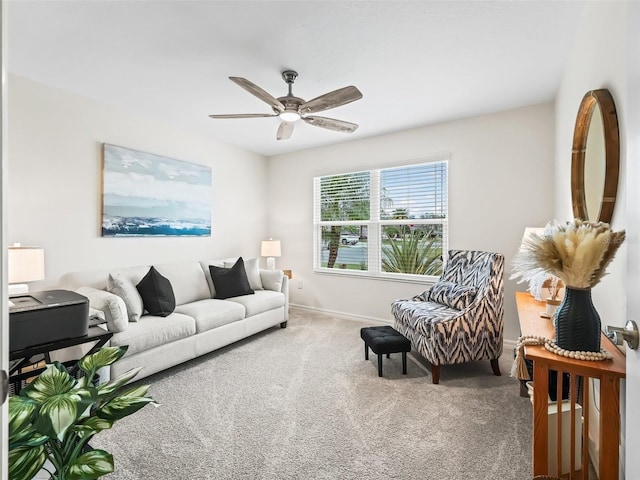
pixel 609 372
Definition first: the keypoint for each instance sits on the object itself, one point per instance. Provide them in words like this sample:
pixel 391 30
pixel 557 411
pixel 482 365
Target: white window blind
pixel 389 222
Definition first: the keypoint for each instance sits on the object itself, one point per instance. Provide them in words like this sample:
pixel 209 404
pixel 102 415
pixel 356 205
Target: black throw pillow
pixel 230 282
pixel 157 294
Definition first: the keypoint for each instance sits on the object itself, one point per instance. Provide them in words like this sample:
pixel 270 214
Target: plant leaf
pixel 103 357
pixel 91 426
pixel 90 465
pixel 22 412
pixel 26 462
pixel 122 406
pixel 53 381
pixel 59 412
pixel 107 389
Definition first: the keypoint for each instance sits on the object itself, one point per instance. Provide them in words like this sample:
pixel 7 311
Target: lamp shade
pixel 528 231
pixel 25 264
pixel 270 248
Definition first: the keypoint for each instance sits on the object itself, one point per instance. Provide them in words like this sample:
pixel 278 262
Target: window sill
pixel 422 280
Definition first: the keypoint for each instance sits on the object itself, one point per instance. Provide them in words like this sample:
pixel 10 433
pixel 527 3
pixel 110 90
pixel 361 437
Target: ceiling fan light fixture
pixel 289 116
pixel 290 108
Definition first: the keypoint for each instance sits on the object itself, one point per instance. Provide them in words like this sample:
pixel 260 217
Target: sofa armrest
pixel 113 307
pixel 277 281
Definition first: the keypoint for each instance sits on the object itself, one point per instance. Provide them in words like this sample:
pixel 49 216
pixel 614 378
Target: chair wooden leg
pixel 495 367
pixel 435 374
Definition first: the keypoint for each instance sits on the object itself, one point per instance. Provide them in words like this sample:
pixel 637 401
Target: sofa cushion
pixel 452 294
pixel 187 279
pixel 261 301
pixel 157 294
pixel 151 331
pixel 252 268
pixel 126 290
pixel 230 282
pixel 421 316
pixel 212 313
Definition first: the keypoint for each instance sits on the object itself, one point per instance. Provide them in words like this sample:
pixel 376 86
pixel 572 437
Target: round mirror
pixel 595 158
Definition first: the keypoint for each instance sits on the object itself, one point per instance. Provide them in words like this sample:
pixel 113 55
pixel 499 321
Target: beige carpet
pixel 302 403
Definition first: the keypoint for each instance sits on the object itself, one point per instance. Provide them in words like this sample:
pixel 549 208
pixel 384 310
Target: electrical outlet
pixel 299 284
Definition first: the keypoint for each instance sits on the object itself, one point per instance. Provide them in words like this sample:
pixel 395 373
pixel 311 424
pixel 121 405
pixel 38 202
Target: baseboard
pixel 347 316
pixel 509 344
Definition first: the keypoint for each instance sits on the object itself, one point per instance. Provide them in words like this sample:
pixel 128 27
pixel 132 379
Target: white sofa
pixel 200 324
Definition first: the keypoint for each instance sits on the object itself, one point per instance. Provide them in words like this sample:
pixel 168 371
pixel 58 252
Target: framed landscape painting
pixel 151 195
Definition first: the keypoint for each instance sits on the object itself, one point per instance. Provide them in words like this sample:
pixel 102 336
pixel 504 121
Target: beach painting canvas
pixel 151 195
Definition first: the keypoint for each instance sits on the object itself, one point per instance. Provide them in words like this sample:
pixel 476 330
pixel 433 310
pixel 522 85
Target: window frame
pixel 375 225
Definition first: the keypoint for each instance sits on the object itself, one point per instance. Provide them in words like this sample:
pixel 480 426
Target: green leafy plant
pixel 56 415
pixel 413 253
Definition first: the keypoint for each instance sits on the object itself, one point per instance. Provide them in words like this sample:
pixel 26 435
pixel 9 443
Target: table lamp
pixel 25 264
pixel 270 249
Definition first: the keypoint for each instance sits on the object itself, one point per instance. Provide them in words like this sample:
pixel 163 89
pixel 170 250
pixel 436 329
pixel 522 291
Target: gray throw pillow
pixel 272 279
pixel 125 289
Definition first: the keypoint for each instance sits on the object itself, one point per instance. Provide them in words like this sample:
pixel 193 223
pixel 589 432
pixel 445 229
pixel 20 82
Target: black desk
pixel 25 357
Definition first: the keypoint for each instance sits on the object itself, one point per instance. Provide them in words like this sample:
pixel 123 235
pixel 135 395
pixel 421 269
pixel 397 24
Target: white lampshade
pixel 270 249
pixel 528 231
pixel 25 264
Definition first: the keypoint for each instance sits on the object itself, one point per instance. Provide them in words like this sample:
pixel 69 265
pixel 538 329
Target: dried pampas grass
pixel 577 252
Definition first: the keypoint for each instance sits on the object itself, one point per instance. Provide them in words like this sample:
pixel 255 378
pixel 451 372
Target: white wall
pixel 500 181
pixel 598 60
pixel 55 165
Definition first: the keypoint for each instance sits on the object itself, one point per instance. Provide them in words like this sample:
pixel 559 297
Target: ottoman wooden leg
pixel 366 351
pixel 379 364
pixel 404 363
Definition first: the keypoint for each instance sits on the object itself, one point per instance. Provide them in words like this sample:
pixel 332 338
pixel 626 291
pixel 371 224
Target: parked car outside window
pixel 349 238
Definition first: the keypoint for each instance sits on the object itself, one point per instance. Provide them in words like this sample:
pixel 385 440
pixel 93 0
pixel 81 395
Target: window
pixel 389 222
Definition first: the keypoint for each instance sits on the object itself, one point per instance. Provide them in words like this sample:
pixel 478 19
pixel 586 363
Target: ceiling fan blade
pixel 243 115
pixel 332 124
pixel 253 89
pixel 285 130
pixel 329 100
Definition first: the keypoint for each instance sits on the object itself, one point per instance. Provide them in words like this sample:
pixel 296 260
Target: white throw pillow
pixel 252 267
pixel 115 311
pixel 125 289
pixel 272 279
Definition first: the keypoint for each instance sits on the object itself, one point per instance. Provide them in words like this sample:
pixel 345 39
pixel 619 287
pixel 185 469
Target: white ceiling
pixel 416 62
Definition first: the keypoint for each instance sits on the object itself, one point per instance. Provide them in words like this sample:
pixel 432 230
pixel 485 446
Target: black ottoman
pixel 385 340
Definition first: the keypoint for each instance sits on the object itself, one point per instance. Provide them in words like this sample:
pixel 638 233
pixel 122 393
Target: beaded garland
pixel 578 355
pixel 519 369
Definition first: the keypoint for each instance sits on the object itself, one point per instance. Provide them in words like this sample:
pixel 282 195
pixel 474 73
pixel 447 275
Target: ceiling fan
pixel 290 108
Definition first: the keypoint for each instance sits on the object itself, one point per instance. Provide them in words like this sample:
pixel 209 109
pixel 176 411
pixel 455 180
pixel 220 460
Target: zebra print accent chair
pixel 473 282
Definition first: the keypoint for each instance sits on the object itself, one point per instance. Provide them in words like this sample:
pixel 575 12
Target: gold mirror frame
pixel 603 99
